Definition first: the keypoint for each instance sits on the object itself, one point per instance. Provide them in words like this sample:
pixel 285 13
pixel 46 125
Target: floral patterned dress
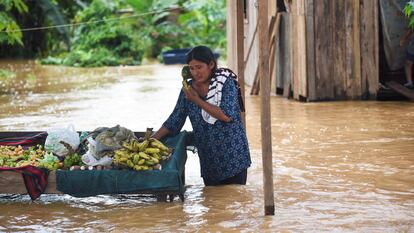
pixel 222 147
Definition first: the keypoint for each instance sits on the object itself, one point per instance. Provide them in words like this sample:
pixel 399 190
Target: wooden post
pixel 310 50
pixel 274 38
pixel 356 27
pixel 240 51
pixel 231 33
pixel 263 31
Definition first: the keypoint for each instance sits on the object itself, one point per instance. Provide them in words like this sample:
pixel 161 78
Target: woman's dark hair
pixel 202 53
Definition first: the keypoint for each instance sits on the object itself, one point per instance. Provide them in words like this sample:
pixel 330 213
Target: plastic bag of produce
pixel 56 135
pixel 91 159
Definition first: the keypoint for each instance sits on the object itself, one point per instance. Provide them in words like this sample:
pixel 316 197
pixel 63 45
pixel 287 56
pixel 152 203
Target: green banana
pixel 155 160
pixel 130 163
pixel 127 146
pixel 141 161
pixel 158 144
pixel 156 155
pixel 143 145
pixel 149 162
pixel 144 155
pixel 151 150
pixel 186 74
pixel 136 158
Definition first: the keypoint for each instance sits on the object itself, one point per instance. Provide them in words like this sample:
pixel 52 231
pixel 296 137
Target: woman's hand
pixel 213 110
pixel 191 94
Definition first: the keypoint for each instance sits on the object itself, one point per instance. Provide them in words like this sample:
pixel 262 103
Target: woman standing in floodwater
pixel 212 102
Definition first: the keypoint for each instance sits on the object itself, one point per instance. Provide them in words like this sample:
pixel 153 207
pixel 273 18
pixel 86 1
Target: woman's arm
pixel 213 110
pixel 175 121
pixel 161 133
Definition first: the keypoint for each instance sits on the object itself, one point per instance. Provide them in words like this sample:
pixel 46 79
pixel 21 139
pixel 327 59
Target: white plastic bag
pixel 55 135
pixel 89 158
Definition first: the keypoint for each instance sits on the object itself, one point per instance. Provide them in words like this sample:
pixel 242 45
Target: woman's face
pixel 200 71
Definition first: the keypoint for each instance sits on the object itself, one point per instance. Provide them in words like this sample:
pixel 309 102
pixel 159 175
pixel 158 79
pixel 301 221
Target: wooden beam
pixel 339 49
pixel 353 49
pixel 273 39
pixel 273 36
pixel 231 35
pixel 375 87
pixel 301 46
pixel 357 49
pixel 251 45
pixel 310 50
pixel 240 51
pixel 323 50
pixel 286 63
pixel 369 49
pixel 263 31
pixel 286 88
pixel 256 83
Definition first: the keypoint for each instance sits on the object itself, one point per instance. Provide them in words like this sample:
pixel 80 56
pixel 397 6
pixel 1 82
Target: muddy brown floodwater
pixel 338 166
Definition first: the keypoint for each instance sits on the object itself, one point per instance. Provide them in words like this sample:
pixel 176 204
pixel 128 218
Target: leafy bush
pixel 8 25
pixel 160 26
pixel 97 43
pixel 408 12
pixel 204 23
pixel 194 23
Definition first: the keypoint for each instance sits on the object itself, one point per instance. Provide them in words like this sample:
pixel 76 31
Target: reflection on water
pixel 338 166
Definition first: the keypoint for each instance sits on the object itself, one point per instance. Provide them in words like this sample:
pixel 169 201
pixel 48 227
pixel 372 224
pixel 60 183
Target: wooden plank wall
pixel 343 62
pixel 310 49
pixel 251 43
pixel 232 35
pixel 283 54
pixel 369 48
pixel 299 73
pixel 323 50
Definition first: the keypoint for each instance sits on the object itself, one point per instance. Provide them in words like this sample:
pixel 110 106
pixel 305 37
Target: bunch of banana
pixel 141 156
pixel 16 156
pixel 186 74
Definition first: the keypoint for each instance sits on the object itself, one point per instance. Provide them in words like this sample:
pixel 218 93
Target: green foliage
pixel 18 4
pixel 100 37
pixel 197 22
pixel 9 30
pixel 12 33
pixel 204 23
pixel 97 43
pixel 32 14
pixel 408 12
pixel 151 26
pixel 54 15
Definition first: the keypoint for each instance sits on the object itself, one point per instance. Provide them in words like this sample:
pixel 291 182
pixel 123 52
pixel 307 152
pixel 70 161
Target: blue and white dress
pixel 222 147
